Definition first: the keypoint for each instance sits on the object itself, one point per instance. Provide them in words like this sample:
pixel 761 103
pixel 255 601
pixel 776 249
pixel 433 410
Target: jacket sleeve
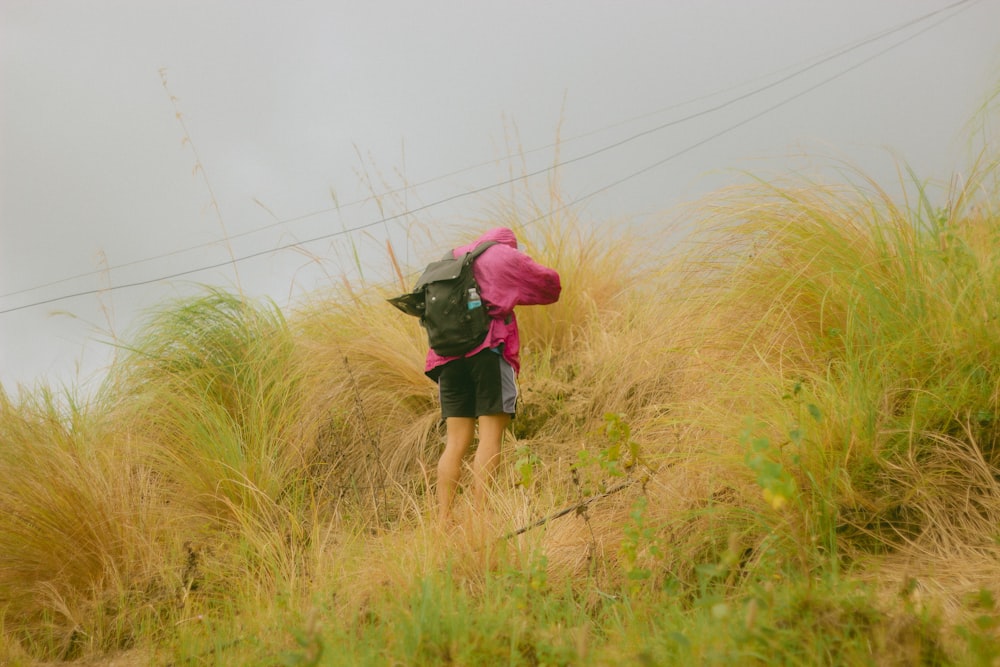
pixel 509 278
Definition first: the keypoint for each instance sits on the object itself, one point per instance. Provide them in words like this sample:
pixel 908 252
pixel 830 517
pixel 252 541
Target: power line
pixel 404 188
pixel 836 54
pixel 752 118
pixel 377 196
pixel 603 149
pixel 797 71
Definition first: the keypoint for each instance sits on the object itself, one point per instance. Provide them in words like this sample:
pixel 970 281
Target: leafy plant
pixel 777 486
pixel 525 465
pixel 640 543
pixel 619 455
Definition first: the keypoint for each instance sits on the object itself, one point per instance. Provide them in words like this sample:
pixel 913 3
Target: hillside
pixel 773 443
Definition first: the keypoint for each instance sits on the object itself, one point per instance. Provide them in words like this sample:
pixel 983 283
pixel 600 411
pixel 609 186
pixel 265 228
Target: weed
pixel 641 542
pixel 525 466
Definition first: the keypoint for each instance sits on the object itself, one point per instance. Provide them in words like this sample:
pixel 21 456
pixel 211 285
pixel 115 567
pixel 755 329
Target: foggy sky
pixel 298 111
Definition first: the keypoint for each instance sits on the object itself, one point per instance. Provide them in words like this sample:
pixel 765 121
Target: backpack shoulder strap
pixel 480 249
pixel 472 254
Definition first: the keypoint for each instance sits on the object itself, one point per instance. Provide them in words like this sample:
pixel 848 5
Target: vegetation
pixel 778 443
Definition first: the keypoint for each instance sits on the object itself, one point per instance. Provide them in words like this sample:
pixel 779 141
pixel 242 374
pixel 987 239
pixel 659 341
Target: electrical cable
pixel 796 71
pixel 836 54
pixel 413 186
pixel 745 121
pixel 578 158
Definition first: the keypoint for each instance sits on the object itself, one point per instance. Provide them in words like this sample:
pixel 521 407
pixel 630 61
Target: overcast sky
pixel 298 110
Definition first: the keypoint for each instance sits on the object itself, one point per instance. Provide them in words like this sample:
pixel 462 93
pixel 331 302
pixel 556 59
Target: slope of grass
pixel 774 445
pixel 83 542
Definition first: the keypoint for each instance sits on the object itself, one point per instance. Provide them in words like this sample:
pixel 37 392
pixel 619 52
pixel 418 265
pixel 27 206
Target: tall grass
pixel 211 387
pixel 882 319
pixel 775 444
pixel 366 384
pixel 83 542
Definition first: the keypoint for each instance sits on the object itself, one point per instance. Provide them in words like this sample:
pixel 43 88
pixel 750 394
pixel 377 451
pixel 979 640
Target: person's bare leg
pixel 491 430
pixel 461 431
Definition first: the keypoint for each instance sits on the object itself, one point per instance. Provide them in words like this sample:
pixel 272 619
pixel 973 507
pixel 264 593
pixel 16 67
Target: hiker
pixel 481 385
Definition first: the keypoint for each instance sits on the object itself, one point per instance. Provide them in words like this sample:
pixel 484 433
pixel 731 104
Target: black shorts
pixel 483 384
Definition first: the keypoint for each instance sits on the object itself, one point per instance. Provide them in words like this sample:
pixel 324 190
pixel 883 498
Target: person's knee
pixel 491 429
pixel 448 464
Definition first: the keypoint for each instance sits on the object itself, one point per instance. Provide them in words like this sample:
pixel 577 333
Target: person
pixel 481 386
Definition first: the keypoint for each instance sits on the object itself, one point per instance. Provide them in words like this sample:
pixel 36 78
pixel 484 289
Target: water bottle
pixel 474 301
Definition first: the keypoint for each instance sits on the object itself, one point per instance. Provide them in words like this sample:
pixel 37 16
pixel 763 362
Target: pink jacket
pixel 507 278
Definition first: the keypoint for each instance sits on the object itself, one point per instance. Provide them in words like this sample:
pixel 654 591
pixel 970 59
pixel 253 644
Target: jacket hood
pixel 503 235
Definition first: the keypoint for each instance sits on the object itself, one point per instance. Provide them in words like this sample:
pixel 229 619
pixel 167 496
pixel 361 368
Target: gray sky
pixel 292 107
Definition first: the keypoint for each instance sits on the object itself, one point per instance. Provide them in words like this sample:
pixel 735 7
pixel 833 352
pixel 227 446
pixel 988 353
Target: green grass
pixel 775 444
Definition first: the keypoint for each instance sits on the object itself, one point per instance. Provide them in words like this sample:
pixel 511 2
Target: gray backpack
pixel 446 298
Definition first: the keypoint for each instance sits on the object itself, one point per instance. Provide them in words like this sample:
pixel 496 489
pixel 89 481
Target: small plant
pixel 777 486
pixel 525 465
pixel 795 433
pixel 310 647
pixel 619 435
pixel 621 453
pixel 536 576
pixel 640 540
pixel 980 633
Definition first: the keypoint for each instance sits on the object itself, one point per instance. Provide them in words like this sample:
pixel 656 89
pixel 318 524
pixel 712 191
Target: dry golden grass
pixel 810 384
pixel 880 317
pixel 84 537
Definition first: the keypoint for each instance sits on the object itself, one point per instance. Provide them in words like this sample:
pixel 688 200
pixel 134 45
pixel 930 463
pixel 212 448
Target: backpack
pixel 447 301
